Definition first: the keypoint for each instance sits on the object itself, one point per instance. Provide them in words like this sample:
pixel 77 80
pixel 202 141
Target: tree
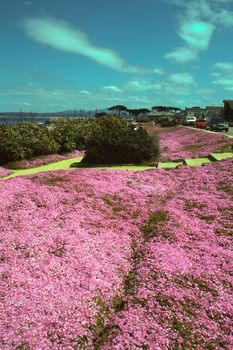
pixel 118 109
pixel 136 112
pixel 100 114
pixel 165 108
pixel 161 108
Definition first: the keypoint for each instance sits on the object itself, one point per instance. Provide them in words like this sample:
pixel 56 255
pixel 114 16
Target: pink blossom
pixel 43 160
pixel 71 242
pixel 180 142
pixel 4 172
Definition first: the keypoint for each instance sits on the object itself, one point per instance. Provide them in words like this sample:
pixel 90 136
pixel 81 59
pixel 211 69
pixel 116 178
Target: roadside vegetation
pixel 115 141
pixel 180 142
pixel 107 139
pixel 29 140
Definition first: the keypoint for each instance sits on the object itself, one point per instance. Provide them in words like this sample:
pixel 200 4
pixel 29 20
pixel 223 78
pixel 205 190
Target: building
pixel 195 111
pixel 213 112
pixel 228 110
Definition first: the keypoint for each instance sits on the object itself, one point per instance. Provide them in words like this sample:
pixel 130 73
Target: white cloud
pixel 141 85
pixel 183 79
pixel 173 91
pixel 111 88
pixel 197 24
pixel 223 75
pixel 62 36
pixel 85 92
pixel 224 66
pixel 182 55
pixel 196 34
pixel 225 18
pixel 157 71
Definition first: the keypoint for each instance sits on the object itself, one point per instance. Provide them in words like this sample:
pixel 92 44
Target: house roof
pixel 229 102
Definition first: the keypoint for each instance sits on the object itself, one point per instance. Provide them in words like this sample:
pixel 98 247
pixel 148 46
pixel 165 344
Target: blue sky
pixel 72 54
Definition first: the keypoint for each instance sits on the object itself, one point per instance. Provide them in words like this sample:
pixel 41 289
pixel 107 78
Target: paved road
pixel 230 132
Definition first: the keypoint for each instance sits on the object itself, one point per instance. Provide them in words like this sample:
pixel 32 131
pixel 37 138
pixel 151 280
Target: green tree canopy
pixel 118 109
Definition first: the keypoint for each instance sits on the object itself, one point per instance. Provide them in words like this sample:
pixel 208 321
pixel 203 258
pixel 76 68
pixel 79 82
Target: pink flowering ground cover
pixel 4 172
pixel 180 142
pixel 43 160
pixel 104 259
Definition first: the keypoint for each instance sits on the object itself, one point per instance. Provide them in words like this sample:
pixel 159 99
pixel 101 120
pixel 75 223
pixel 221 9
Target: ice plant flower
pixel 112 259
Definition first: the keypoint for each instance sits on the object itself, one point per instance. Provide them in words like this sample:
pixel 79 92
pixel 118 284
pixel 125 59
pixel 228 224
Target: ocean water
pixel 15 120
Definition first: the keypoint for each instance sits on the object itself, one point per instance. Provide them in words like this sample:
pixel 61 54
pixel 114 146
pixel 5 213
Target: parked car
pixel 218 124
pixel 189 120
pixel 201 123
pixel 168 122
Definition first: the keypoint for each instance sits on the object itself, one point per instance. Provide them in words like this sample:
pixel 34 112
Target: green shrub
pixel 12 146
pixel 71 134
pixel 25 140
pixel 37 139
pixel 114 141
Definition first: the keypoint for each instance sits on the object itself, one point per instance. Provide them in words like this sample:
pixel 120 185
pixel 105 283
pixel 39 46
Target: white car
pixel 189 120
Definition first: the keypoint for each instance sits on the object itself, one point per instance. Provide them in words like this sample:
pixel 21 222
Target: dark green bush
pixel 24 141
pixel 106 140
pixel 11 147
pixel 114 141
pixel 64 135
pixel 71 134
pixel 37 139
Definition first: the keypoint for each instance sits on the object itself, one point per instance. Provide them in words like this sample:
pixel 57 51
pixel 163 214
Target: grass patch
pixel 136 214
pixel 80 343
pixel 130 281
pixel 225 187
pixel 185 330
pixel 156 218
pixel 190 340
pixel 191 204
pixel 225 148
pixel 53 180
pixel 224 232
pixel 190 281
pixel 189 307
pixel 23 346
pixel 165 301
pixel 58 251
pixel 102 332
pixel 207 218
pixel 118 303
pixel 133 167
pixel 113 201
pixel 137 301
pixel 191 148
pixel 138 256
pixel 203 286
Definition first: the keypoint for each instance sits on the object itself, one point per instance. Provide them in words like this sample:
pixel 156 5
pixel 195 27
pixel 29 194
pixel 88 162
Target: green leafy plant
pixel 114 141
